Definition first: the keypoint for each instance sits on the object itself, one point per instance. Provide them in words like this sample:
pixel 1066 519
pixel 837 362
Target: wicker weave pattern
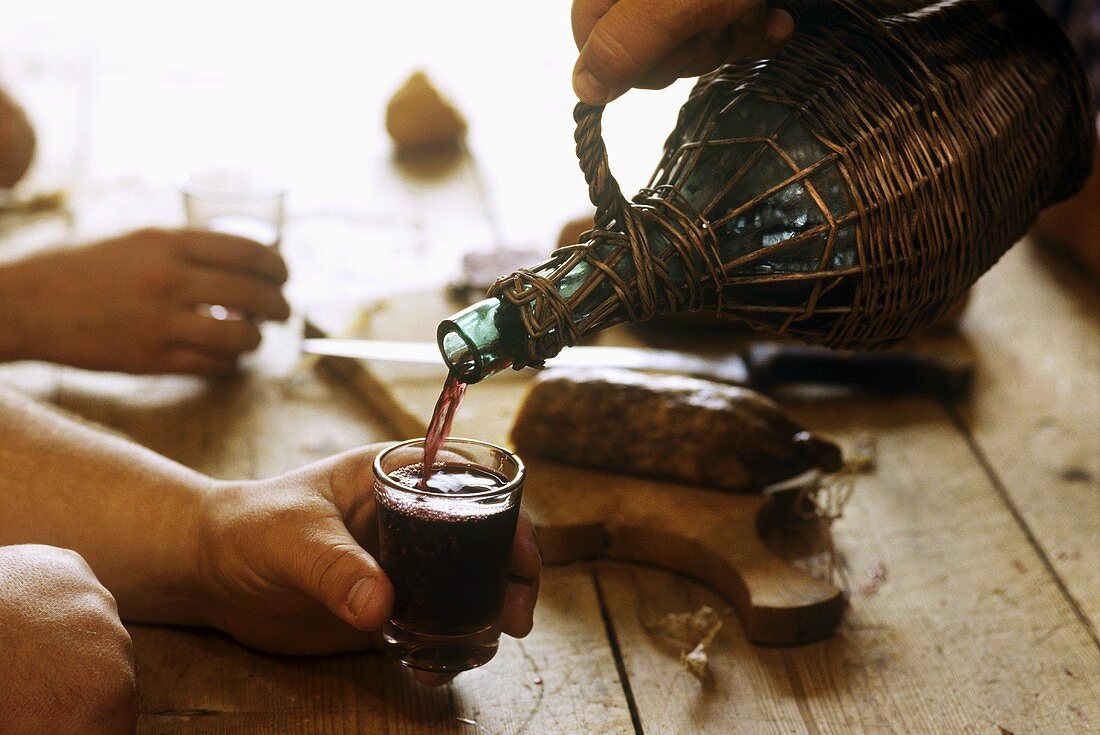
pixel 936 133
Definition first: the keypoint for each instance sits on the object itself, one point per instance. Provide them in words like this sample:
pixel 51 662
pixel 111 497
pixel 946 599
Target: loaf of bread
pixel 670 427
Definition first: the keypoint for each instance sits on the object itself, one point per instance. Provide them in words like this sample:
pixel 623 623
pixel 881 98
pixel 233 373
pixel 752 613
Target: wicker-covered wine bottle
pixel 845 192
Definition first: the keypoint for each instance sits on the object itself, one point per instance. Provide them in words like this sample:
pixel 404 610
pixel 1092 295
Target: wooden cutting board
pixel 582 514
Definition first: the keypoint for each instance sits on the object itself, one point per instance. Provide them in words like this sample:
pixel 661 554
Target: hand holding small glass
pixel 235 201
pixel 131 303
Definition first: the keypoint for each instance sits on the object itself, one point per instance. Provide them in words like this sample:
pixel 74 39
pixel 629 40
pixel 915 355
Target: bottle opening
pixel 478 342
pixel 459 352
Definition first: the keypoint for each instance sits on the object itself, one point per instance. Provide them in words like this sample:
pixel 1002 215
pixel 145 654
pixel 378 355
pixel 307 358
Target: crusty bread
pixel 666 426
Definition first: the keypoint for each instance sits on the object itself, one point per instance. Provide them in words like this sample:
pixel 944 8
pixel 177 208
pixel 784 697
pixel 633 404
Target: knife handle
pixel 887 373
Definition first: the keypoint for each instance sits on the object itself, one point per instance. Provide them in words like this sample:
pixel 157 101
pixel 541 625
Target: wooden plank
pixel 248 426
pixel 714 537
pixel 1035 325
pixel 745 695
pixel 559 680
pixel 962 631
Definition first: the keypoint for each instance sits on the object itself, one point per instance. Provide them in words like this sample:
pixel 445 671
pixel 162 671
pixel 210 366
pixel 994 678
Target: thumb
pixel 633 37
pixel 332 568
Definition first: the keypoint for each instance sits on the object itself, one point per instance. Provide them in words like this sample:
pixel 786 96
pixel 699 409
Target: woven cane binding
pixel 910 144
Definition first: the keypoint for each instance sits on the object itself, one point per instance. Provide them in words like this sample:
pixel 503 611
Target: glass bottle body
pixel 765 220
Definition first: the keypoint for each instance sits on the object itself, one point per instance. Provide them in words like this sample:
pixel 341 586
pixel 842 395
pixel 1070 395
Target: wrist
pixel 211 552
pixel 199 549
pixel 173 587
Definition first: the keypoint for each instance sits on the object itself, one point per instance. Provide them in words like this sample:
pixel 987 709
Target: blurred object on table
pixel 17 141
pixel 572 230
pixel 33 205
pixel 421 120
pixel 480 270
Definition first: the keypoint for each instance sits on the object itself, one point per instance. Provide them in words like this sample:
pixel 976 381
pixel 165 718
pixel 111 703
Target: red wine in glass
pixel 446 548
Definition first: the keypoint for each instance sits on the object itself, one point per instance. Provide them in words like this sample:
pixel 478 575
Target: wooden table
pixel 971 552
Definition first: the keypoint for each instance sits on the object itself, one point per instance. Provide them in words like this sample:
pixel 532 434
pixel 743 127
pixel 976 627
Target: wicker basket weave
pixel 922 139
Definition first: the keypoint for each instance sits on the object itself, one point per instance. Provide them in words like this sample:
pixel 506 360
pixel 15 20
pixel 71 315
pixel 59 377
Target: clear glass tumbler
pixel 249 203
pixel 446 548
pixel 236 201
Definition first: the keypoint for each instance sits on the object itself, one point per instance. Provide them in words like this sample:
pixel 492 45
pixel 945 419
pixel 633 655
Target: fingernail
pixel 359 596
pixel 528 599
pixel 780 25
pixel 532 600
pixel 589 88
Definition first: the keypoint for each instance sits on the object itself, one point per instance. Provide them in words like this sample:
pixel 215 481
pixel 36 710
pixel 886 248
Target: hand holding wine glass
pixel 289 563
pixel 132 303
pixel 284 564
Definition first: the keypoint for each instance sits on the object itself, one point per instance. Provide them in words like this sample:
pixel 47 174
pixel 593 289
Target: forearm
pixel 17 142
pixel 13 311
pixel 132 514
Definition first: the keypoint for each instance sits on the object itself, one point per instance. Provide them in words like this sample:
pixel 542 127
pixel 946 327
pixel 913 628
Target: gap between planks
pixel 995 480
pixel 617 653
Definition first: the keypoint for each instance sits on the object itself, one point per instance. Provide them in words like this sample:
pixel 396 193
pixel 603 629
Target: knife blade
pixel 763 367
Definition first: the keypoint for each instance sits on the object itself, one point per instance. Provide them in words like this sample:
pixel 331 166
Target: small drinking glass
pixel 236 201
pixel 447 550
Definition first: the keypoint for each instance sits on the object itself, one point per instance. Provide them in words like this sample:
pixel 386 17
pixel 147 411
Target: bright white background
pixel 127 96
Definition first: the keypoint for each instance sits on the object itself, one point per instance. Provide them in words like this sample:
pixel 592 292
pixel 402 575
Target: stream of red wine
pixel 440 427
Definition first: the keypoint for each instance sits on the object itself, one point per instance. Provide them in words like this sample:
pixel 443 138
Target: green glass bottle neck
pixel 480 340
pixel 489 336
